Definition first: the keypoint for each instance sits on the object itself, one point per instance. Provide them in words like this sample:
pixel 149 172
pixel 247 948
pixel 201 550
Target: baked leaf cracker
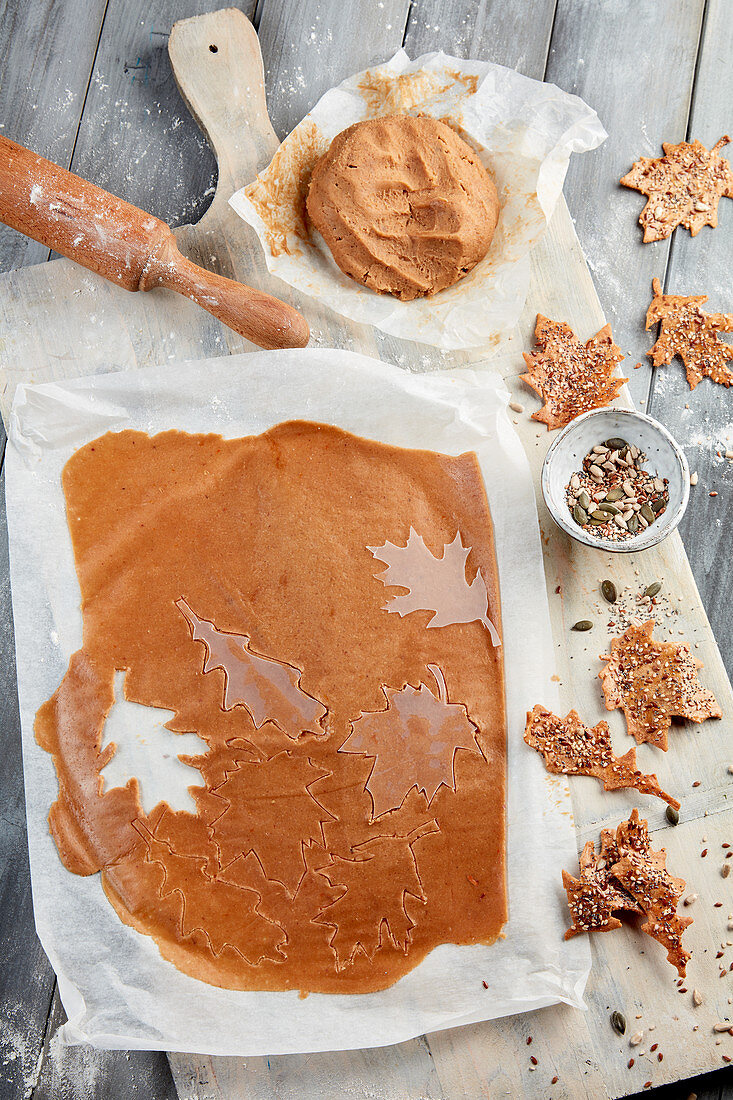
pixel 569 747
pixel 628 876
pixel 571 377
pixel 595 896
pixel 688 331
pixel 657 893
pixel 652 681
pixel 684 187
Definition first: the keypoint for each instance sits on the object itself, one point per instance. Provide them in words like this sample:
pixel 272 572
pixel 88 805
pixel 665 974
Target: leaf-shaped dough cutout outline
pixel 435 584
pixel 414 742
pixel 269 689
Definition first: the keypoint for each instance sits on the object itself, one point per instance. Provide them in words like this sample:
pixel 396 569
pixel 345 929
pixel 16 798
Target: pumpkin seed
pixel 580 515
pixel 615 494
pixel 595 522
pixel 633 525
pixel 608 590
pixel 653 588
pixel 618 1022
pixel 610 508
pixel 647 513
pixel 584 500
pixel 582 624
pixel 615 443
pixel 599 516
pixel 659 504
pixel 672 815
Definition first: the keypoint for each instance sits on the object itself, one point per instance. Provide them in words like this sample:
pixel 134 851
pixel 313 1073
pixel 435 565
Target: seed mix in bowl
pixel 613 497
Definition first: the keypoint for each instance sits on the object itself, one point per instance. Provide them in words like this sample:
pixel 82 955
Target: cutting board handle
pixel 217 64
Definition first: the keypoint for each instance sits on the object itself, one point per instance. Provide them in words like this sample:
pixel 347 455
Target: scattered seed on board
pixel 608 590
pixel 618 1022
pixel 672 815
pixel 582 624
pixel 653 589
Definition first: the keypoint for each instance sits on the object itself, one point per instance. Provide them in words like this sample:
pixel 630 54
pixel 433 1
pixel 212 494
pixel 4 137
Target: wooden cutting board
pixel 57 321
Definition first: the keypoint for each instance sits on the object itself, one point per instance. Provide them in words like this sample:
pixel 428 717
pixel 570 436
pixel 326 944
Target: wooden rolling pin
pixel 129 247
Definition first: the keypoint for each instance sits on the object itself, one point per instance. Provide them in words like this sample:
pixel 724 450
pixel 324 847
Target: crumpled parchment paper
pixel 117 990
pixel 524 131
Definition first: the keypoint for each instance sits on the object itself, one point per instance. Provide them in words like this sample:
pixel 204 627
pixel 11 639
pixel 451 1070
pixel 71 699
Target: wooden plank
pixel 154 154
pixel 489 31
pixel 80 1073
pixel 634 64
pixel 562 282
pixel 48 51
pixel 26 978
pixel 703 419
pixel 308 48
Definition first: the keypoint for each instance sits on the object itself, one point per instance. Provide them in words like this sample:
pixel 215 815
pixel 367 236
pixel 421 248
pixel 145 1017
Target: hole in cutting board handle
pixel 214 49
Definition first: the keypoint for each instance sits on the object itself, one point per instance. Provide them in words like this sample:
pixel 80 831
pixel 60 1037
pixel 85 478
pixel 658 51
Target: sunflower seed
pixel 642 522
pixel 620 522
pixel 696 997
pixel 608 590
pixel 628 489
pixel 595 471
pixel 653 588
pixel 599 450
pixel 575 482
pixel 582 624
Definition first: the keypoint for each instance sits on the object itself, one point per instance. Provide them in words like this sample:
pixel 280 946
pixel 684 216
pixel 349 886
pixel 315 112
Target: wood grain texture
pixel 26 978
pixel 703 419
pixel 136 138
pixel 310 47
pixel 635 65
pixel 493 1058
pixel 81 1073
pixel 490 30
pixel 48 52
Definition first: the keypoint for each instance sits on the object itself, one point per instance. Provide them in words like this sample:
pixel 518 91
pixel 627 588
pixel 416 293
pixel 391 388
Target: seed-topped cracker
pixel 652 681
pixel 684 187
pixel 627 876
pixel 569 747
pixel 595 897
pixel 688 331
pixel 656 893
pixel 571 377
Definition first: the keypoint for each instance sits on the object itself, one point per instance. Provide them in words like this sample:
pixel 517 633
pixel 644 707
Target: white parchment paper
pixel 523 130
pixel 116 989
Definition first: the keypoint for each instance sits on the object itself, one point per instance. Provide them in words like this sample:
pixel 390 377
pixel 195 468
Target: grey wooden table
pixel 87 83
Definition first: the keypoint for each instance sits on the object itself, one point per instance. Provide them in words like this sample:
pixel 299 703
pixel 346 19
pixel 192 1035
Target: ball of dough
pixel 404 204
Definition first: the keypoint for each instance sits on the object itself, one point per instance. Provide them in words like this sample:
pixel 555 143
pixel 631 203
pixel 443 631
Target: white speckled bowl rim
pixel 656 532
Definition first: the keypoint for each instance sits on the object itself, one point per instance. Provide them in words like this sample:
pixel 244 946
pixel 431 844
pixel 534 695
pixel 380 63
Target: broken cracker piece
pixel 684 187
pixel 688 331
pixel 569 747
pixel 628 876
pixel 595 896
pixel 652 681
pixel 657 893
pixel 571 377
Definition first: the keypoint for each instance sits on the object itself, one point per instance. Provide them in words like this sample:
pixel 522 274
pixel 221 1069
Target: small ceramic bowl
pixel 664 458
